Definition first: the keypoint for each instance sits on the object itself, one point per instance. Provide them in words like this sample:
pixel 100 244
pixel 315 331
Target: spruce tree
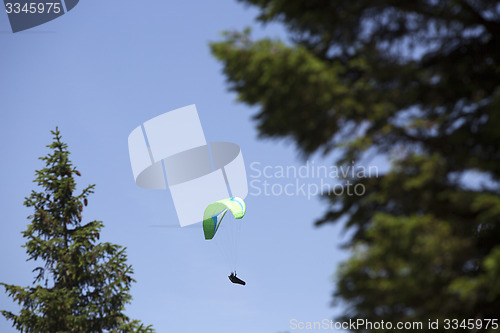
pixel 81 284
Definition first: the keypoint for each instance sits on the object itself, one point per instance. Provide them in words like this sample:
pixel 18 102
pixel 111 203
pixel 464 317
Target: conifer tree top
pixel 81 284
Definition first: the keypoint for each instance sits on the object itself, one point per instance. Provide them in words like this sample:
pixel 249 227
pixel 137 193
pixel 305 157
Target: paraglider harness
pixel 236 280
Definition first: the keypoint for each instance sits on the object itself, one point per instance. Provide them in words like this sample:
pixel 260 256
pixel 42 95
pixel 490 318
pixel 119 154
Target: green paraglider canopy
pixel 216 211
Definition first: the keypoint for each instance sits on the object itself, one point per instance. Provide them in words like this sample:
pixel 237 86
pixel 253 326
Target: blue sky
pixel 97 73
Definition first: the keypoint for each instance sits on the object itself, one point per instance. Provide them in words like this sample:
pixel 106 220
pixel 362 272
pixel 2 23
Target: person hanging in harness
pixel 235 279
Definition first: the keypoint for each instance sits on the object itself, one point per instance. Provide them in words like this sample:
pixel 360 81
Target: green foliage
pixel 402 262
pixel 84 284
pixel 417 82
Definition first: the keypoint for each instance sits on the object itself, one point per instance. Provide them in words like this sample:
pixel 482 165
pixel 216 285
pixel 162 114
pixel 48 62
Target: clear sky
pixel 97 73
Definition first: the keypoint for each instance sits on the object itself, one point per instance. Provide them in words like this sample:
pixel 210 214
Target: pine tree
pixel 416 82
pixel 83 284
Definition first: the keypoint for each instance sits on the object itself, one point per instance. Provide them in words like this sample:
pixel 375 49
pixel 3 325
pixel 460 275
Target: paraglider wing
pixel 216 211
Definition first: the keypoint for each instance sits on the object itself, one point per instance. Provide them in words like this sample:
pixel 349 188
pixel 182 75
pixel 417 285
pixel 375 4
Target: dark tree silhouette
pixel 417 82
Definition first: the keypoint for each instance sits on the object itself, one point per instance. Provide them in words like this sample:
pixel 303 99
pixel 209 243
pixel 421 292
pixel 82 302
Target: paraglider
pixel 213 216
pixel 235 279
